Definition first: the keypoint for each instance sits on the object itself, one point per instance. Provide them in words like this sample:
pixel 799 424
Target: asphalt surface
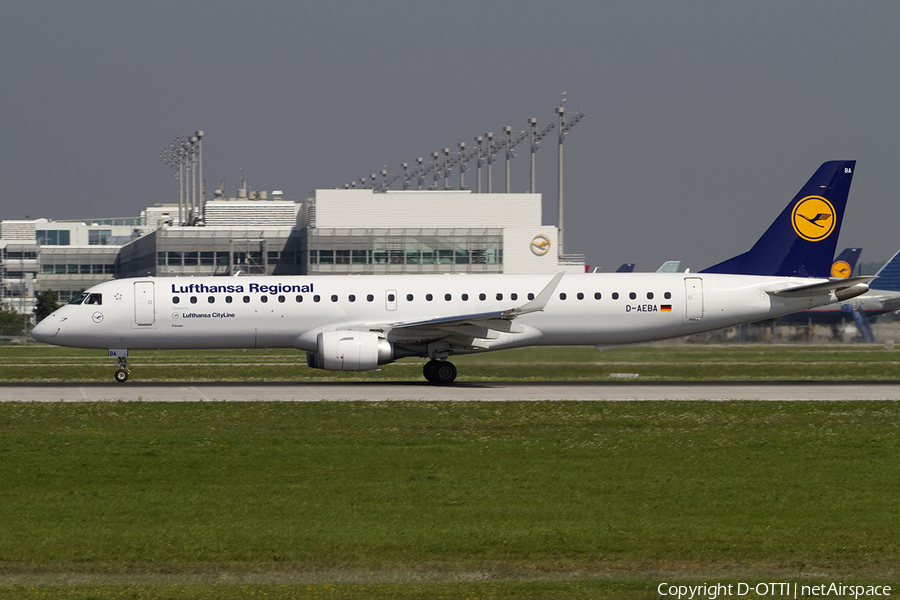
pixel 317 392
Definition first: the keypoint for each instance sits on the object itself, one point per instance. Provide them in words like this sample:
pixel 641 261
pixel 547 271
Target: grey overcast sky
pixel 703 118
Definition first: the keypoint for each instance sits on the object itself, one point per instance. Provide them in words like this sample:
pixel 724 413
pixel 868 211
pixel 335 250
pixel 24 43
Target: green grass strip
pixel 663 362
pixel 510 490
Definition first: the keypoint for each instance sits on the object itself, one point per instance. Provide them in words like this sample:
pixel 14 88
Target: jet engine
pixel 350 351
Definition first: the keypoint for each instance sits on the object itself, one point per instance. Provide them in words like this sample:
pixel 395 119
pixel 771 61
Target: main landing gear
pixel 439 371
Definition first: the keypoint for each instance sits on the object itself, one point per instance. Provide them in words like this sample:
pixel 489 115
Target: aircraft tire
pixel 443 373
pixel 121 375
pixel 428 370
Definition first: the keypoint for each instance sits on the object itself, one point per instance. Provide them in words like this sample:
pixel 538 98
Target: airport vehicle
pixel 356 323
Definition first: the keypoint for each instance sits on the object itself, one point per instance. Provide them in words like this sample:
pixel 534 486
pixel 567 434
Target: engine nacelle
pixel 349 351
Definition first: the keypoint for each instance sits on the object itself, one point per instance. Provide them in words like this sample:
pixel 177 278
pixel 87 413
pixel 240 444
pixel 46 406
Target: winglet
pixel 539 302
pixel 802 240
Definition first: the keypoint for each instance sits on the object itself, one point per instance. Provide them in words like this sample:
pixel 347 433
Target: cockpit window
pixel 95 299
pixel 78 299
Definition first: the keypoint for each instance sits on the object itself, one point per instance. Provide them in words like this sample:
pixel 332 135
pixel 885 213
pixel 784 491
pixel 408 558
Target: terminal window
pixel 52 237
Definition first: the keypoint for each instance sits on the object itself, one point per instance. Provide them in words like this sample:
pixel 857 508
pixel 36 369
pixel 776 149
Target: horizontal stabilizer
pixel 843 289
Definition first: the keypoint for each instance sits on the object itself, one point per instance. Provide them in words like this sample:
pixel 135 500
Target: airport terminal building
pixel 332 232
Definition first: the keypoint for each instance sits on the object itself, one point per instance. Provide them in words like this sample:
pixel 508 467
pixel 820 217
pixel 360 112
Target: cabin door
pixel 693 296
pixel 144 311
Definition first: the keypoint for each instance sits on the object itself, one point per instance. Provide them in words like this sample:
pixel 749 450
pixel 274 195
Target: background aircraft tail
pixel 888 276
pixel 845 263
pixel 802 240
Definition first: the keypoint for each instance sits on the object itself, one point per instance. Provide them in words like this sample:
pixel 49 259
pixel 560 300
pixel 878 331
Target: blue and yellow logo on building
pixel 813 218
pixel 540 245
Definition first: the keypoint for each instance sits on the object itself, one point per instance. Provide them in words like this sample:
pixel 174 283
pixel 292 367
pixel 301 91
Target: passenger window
pixel 211 299
pixel 465 297
pixel 596 295
pixel 499 296
pixel 668 295
pixel 429 297
pixel 334 297
pixel 482 297
pixel 175 300
pixel 246 299
pixel 316 298
pixel 281 298
pixel 530 296
pixel 228 299
pixel 649 295
pixel 263 299
pixel 351 298
pixel 580 296
pixel 562 295
pixel 447 297
pixel 299 298
pixel 409 297
pixel 514 296
pixel 615 295
pixel 391 298
pixel 193 299
pixel 95 299
pixel 370 298
pixel 632 295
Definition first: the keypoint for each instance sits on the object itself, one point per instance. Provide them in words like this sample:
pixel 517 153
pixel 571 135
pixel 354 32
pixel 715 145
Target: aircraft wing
pixel 489 320
pixel 843 289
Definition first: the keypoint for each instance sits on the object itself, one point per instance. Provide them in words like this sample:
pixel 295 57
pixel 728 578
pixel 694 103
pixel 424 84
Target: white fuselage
pixel 282 312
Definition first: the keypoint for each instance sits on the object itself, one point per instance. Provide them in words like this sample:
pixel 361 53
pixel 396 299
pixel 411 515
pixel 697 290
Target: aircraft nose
pixel 45 330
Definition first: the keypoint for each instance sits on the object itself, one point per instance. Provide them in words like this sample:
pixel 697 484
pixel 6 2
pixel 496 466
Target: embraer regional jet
pixel 356 323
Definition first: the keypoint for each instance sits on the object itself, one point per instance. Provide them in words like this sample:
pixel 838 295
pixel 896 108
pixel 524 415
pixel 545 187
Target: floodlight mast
pixel 447 167
pixel 510 144
pixel 492 153
pixel 536 145
pixel 185 155
pixel 478 139
pixel 437 169
pixel 563 129
pixel 462 165
pixel 202 189
pixel 484 153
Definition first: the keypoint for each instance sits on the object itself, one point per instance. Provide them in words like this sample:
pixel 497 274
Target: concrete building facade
pixel 342 231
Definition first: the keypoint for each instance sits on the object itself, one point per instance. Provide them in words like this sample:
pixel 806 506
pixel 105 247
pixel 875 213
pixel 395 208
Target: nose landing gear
pixel 121 375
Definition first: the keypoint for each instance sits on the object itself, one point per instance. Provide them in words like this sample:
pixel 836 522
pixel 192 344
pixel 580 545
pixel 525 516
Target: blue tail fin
pixel 845 263
pixel 626 268
pixel 888 276
pixel 802 240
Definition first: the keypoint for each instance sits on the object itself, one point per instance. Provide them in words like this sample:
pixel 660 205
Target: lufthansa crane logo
pixel 813 218
pixel 840 269
pixel 540 245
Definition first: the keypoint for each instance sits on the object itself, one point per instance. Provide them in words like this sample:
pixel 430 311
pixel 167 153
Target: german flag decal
pixel 666 308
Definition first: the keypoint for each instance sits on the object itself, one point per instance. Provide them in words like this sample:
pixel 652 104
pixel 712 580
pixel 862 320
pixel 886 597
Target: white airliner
pixel 356 323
